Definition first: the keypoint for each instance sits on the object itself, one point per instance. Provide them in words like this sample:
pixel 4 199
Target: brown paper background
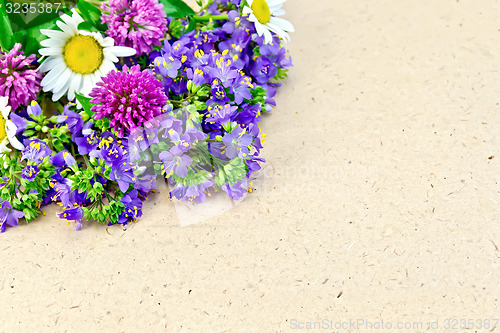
pixel 378 201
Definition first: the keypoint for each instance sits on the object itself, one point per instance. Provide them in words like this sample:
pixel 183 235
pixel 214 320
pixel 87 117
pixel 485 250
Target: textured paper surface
pixel 378 201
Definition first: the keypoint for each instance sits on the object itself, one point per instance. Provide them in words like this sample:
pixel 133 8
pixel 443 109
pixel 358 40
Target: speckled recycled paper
pixel 379 201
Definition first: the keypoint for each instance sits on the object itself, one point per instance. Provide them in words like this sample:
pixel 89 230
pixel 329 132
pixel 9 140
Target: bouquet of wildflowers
pixel 100 98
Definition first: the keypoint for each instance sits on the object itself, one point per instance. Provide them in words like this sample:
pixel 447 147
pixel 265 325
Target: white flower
pixel 77 59
pixel 263 13
pixel 7 128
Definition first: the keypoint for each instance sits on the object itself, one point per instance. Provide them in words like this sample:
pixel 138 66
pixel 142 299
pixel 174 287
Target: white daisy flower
pixel 77 59
pixel 7 128
pixel 263 13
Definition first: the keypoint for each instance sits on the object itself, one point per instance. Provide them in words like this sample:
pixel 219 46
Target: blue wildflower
pixel 88 142
pixel 73 214
pixel 241 88
pixel 63 159
pixel 220 114
pixel 133 206
pixel 123 174
pixel 35 151
pixel 237 143
pixel 196 193
pixel 237 190
pixel 30 172
pixel 175 161
pixel 9 216
pixel 263 70
pixel 34 109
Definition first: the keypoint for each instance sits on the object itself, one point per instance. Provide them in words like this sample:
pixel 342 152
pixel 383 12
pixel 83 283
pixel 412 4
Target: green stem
pixel 206 6
pixel 207 17
pixel 87 162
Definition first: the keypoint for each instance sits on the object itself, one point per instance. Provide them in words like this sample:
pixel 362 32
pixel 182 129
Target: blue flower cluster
pixel 229 76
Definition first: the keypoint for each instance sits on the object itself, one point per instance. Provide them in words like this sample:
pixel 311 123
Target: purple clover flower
pixel 129 99
pixel 139 24
pixel 8 216
pixel 17 81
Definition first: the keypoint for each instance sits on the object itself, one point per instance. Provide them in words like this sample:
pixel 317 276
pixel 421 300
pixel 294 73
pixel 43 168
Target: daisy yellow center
pixel 261 11
pixel 3 133
pixel 83 54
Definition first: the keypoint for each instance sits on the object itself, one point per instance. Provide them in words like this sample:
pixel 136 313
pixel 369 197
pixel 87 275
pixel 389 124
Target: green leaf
pixel 191 26
pixel 92 14
pixel 177 8
pixel 86 104
pixel 31 38
pixel 7 40
pixel 86 25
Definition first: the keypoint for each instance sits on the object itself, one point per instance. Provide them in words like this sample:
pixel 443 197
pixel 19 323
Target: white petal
pixel 87 83
pixel 247 10
pixel 64 27
pixel 53 42
pixel 3 147
pixel 109 55
pixel 279 32
pixel 74 86
pixel 75 19
pixel 271 3
pixel 63 81
pixel 49 64
pixel 282 24
pixel 98 37
pixel 6 111
pixel 56 95
pixel 268 37
pixel 51 78
pixel 107 42
pixel 277 12
pixel 11 130
pixel 51 51
pixel 106 67
pixel 76 16
pixel 4 100
pixel 122 51
pixel 261 29
pixel 253 18
pixel 54 34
